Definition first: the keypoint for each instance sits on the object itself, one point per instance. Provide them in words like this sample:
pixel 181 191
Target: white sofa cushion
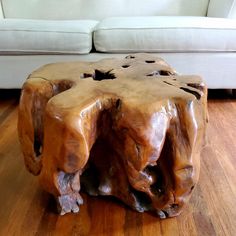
pixel 40 36
pixel 100 9
pixel 165 34
pixel 220 8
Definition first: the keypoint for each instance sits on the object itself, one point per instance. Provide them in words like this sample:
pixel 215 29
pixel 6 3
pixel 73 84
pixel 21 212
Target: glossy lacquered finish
pixel 129 128
pixel 28 210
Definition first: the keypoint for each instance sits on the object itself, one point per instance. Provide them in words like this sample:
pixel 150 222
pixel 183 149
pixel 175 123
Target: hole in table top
pixel 129 57
pixel 154 73
pixel 150 61
pixel 126 66
pixel 165 72
pixel 86 75
pixel 160 72
pixel 100 75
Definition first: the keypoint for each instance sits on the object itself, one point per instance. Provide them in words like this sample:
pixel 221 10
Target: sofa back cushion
pixel 99 9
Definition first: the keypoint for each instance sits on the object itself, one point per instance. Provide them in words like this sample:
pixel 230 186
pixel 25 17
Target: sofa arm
pixel 1 10
pixel 219 8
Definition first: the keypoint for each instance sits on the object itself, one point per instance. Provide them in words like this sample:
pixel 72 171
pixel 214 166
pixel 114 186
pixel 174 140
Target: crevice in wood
pixel 168 83
pixel 196 86
pixel 37 145
pixel 157 187
pixel 195 93
pixel 118 104
pixel 38 109
pixel 142 201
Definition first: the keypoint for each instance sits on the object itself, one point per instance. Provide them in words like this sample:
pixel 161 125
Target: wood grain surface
pixel 27 210
pixel 129 128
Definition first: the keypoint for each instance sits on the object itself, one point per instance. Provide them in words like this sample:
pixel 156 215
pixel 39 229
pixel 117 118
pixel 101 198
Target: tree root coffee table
pixel 131 128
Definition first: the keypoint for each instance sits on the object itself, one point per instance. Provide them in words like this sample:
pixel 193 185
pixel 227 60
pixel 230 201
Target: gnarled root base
pixel 129 128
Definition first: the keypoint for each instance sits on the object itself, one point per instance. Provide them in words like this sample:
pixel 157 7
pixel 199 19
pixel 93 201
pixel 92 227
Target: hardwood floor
pixel 28 210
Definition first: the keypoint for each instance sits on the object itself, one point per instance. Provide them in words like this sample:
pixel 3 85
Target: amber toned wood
pixel 131 128
pixel 28 210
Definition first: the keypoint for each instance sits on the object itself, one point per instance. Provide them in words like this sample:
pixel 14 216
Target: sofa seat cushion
pixel 165 34
pixel 43 36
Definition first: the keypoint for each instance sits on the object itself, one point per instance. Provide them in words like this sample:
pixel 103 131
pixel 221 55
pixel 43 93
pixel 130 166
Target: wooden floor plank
pixel 27 210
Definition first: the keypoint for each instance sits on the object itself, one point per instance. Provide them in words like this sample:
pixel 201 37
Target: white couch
pixel 194 36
